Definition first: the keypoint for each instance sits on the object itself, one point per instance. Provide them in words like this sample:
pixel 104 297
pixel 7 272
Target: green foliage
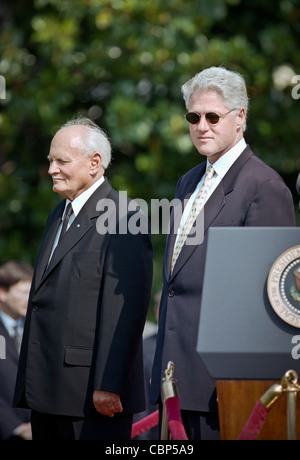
pixel 122 63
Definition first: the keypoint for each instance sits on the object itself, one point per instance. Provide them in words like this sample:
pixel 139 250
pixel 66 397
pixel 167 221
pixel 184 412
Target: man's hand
pixel 23 431
pixel 107 403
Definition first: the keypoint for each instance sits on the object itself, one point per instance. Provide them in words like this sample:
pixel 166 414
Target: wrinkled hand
pixel 107 403
pixel 24 431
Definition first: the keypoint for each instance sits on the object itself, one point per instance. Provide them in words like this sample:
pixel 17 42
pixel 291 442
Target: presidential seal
pixel 283 286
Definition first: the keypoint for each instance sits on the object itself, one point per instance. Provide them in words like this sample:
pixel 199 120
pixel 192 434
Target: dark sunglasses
pixel 211 117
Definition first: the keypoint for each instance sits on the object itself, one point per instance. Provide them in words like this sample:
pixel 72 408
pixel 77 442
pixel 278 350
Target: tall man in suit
pixel 15 280
pixel 242 191
pixel 81 366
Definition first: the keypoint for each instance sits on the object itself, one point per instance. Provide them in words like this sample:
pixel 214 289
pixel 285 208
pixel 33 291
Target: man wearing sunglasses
pixel 240 191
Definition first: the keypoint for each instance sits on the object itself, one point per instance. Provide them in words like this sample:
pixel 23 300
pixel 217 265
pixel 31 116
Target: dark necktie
pixel 68 213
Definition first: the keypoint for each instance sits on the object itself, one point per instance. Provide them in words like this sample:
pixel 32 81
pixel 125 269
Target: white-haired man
pixel 235 189
pixel 81 366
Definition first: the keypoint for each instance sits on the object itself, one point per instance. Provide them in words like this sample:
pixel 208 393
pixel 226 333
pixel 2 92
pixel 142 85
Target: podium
pixel 247 339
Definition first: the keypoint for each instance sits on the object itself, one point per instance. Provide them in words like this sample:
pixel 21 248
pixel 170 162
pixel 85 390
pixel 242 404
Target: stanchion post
pixel 169 390
pixel 165 433
pixel 291 415
pixel 291 387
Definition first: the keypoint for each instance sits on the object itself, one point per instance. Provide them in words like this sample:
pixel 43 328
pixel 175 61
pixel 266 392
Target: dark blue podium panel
pixel 241 336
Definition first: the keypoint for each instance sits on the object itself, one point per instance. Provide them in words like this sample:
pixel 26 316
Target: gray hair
pixel 229 85
pixel 95 139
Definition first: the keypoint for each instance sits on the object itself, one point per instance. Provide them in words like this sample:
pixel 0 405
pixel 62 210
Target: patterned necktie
pixel 195 209
pixel 68 213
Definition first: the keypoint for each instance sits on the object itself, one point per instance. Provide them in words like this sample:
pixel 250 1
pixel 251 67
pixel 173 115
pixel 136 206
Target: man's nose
pixel 53 168
pixel 203 124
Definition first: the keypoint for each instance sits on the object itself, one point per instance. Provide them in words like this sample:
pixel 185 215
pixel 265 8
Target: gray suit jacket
pixel 251 194
pixel 86 315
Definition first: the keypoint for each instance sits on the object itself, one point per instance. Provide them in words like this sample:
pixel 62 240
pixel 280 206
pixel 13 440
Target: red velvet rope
pixel 174 419
pixel 250 431
pixel 255 422
pixel 144 425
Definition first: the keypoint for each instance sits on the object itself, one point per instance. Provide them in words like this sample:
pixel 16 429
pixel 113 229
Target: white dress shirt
pixel 77 204
pixel 221 167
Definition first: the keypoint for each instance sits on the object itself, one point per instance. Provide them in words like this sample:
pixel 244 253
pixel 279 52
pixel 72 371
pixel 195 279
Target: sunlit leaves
pixel 122 62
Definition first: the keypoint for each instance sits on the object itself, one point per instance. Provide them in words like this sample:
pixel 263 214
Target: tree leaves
pixel 122 62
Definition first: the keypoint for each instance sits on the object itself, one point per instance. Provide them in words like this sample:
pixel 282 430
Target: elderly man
pixel 233 188
pixel 81 367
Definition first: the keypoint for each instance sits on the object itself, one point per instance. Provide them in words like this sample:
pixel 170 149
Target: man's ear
pixel 96 163
pixel 241 118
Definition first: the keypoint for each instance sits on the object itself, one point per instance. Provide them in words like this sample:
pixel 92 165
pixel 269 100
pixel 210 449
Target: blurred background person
pixel 15 281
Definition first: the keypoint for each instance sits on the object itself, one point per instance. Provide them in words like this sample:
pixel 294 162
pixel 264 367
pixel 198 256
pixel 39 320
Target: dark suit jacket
pixel 251 194
pixel 10 418
pixel 86 315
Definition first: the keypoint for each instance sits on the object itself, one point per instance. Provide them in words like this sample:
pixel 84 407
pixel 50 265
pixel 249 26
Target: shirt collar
pixel 10 323
pixel 80 201
pixel 223 164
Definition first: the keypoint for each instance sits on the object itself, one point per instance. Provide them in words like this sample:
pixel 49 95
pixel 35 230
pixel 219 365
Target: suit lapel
pixel 218 198
pixel 47 242
pixel 79 227
pixel 177 210
pixel 211 209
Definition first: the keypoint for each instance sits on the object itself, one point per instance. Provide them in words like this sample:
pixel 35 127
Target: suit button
pixel 35 308
pixel 171 293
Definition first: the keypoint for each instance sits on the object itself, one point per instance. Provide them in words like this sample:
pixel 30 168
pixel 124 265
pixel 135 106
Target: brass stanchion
pixel 169 390
pixel 271 395
pixel 291 387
